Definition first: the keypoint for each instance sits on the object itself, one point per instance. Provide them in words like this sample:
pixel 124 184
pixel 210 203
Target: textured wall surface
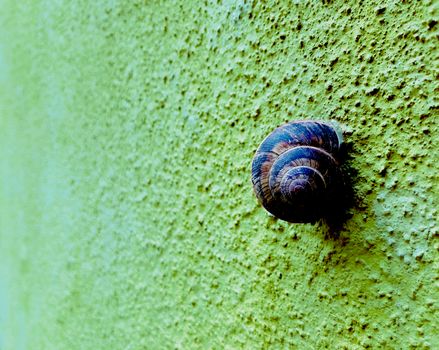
pixel 127 217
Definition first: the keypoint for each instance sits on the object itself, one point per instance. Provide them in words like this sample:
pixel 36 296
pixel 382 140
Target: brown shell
pixel 295 170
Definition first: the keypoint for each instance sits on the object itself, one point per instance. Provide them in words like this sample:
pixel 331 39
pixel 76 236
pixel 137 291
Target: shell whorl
pixel 295 170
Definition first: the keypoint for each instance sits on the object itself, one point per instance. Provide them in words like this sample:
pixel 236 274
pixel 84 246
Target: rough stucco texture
pixel 128 219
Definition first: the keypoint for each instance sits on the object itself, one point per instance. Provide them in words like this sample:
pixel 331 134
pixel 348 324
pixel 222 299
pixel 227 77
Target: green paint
pixel 127 131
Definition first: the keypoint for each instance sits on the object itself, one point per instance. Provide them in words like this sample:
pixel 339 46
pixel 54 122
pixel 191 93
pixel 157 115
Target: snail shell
pixel 295 171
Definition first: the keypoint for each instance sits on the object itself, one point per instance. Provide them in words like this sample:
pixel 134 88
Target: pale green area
pixel 127 218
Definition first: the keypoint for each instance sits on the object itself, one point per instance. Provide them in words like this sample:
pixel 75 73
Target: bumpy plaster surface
pixel 127 214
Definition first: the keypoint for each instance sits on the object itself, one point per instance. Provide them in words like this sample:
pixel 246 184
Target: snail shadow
pixel 339 209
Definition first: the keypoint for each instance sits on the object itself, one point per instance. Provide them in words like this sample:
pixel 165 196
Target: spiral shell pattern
pixel 295 170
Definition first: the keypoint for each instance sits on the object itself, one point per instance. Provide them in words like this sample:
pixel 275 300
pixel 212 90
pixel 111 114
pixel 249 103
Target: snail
pixel 296 172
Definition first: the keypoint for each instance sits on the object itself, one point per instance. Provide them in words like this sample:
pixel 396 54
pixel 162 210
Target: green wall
pixel 127 216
